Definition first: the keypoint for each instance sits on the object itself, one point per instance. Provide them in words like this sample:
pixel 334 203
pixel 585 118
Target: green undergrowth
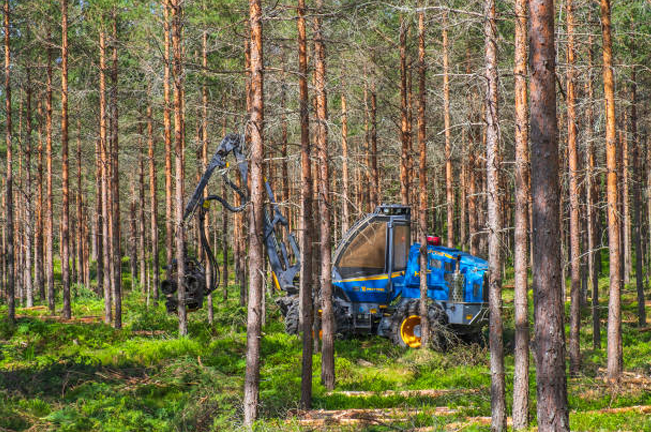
pixel 83 375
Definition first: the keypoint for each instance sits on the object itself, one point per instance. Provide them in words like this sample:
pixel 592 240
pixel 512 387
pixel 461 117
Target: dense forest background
pixel 113 109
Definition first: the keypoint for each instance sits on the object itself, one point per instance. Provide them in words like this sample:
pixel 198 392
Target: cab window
pixel 401 237
pixel 366 252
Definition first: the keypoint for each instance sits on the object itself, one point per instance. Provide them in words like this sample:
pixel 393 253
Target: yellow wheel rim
pixel 410 331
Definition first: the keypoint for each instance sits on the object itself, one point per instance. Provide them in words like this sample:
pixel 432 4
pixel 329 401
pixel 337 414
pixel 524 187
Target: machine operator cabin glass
pixel 365 255
pixel 401 236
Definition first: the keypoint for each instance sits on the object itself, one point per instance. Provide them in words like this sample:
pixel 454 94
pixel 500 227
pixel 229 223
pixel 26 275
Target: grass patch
pixel 86 376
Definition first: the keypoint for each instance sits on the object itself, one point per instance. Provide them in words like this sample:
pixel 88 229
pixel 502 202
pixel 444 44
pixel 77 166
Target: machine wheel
pixel 292 318
pixel 405 325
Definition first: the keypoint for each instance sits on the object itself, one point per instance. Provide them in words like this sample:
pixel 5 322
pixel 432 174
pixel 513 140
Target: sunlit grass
pixel 86 376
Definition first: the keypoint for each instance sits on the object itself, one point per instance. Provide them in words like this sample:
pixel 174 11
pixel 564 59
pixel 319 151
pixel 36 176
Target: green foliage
pixel 83 376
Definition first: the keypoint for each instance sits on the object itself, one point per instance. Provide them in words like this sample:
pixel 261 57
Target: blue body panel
pixel 372 289
pixel 441 261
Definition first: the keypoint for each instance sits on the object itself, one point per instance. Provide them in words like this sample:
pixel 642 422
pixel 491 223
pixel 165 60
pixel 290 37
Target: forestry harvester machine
pixel 375 273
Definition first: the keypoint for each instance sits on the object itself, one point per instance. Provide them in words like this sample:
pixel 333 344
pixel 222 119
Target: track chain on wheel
pixel 292 317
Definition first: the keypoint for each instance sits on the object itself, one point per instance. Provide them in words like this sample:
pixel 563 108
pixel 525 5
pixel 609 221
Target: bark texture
pixel 551 381
pixel 614 301
pixel 520 259
pixel 305 288
pixel 256 291
pixel 498 387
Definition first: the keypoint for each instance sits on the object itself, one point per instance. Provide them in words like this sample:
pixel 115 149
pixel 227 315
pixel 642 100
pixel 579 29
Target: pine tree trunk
pixel 105 248
pixel 404 123
pixel 345 183
pixel 9 206
pixel 29 287
pixel 614 302
pixel 637 202
pixel 204 160
pixel 256 291
pixel 65 223
pixel 81 238
pixel 449 188
pixel 422 180
pixel 624 198
pixel 328 322
pixel 575 229
pixel 151 144
pixel 306 231
pixel 167 132
pixel 284 142
pixel 367 147
pixel 520 256
pixel 142 255
pixel 39 280
pixel 498 390
pixel 225 247
pixel 49 209
pixel 375 176
pixel 473 217
pixel 177 75
pixel 548 302
pixel 592 212
pixel 116 252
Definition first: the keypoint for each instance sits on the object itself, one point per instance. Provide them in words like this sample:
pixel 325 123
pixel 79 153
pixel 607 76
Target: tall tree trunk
pixel 132 243
pixel 375 175
pixel 548 301
pixel 204 160
pixel 177 74
pixel 614 306
pixel 116 253
pixel 142 255
pixel 575 229
pixel 592 212
pixel 151 144
pixel 38 232
pixel 9 205
pixel 404 123
pixel 367 146
pixel 637 202
pixel 104 250
pixel 473 217
pixel 449 188
pixel 624 198
pixel 498 390
pixel 520 257
pixel 167 132
pixel 345 184
pixel 80 222
pixel 422 180
pixel 328 321
pixel 49 209
pixel 65 223
pixel 225 247
pixel 29 287
pixel 284 140
pixel 305 288
pixel 256 288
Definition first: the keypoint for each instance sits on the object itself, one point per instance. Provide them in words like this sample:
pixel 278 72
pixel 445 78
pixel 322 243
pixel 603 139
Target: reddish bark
pixel 256 291
pixel 548 301
pixel 305 288
pixel 520 258
pixel 614 300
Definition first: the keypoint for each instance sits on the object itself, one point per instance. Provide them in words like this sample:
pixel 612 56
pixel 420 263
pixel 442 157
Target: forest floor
pixel 82 375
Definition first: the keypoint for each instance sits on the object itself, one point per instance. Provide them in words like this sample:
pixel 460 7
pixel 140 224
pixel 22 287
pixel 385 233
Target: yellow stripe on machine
pixel 372 278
